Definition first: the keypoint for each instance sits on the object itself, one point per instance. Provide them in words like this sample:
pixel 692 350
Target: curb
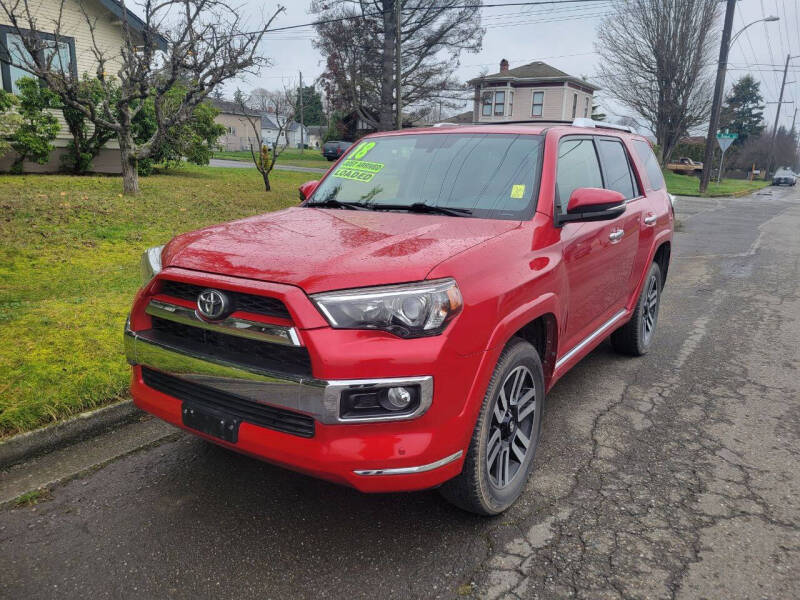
pixel 84 425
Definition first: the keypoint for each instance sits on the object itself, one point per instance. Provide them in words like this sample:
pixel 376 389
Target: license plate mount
pixel 211 422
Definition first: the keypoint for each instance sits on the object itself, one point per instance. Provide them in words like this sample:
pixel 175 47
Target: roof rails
pixel 580 122
pixel 584 122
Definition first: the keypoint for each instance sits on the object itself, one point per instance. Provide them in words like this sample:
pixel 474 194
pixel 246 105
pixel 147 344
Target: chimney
pixel 504 66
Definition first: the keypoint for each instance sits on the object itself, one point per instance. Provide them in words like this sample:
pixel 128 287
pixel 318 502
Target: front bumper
pixel 409 452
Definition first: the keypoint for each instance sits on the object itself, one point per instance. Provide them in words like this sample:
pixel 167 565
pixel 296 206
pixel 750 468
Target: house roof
pixel 268 122
pixel 124 13
pixel 229 107
pixel 534 72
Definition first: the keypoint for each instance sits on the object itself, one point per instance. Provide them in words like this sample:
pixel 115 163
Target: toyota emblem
pixel 213 305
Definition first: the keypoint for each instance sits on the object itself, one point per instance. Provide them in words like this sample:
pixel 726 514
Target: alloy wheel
pixel 512 430
pixel 650 309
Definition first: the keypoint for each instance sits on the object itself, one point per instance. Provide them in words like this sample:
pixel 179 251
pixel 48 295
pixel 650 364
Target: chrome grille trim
pixel 318 398
pixel 265 332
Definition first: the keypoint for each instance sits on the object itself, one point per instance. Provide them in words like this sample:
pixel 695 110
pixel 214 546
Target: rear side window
pixel 616 168
pixel 577 168
pixel 651 166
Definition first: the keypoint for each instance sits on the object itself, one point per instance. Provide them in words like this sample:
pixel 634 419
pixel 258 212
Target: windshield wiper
pixel 421 207
pixel 334 203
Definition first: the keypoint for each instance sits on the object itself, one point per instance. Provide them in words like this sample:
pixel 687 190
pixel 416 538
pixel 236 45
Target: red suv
pixel 399 330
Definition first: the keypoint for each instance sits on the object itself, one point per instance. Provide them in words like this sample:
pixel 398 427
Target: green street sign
pixel 727 135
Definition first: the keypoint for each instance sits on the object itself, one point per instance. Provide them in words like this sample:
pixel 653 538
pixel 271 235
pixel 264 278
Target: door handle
pixel 616 235
pixel 650 220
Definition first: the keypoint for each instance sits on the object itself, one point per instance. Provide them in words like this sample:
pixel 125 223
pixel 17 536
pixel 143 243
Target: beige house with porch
pixel 532 92
pixel 75 54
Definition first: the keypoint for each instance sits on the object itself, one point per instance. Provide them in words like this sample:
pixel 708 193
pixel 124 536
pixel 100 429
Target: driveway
pixel 674 475
pixel 241 164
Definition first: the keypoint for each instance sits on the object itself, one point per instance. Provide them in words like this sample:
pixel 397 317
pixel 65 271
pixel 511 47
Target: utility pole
pixel 719 88
pixel 777 116
pixel 302 117
pixel 794 119
pixel 398 62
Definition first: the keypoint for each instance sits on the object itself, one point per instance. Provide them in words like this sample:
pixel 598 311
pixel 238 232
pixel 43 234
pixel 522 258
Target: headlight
pixel 151 264
pixel 408 310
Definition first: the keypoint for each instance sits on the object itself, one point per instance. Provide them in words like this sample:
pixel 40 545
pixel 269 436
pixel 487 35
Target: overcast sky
pixel 561 35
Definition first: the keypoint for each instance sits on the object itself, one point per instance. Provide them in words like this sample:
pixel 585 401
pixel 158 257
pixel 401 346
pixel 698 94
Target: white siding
pixel 108 36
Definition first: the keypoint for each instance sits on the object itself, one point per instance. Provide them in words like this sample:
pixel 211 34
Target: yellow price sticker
pixel 517 191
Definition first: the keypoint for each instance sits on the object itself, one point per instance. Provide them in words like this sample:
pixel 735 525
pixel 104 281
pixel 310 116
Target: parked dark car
pixel 784 177
pixel 333 150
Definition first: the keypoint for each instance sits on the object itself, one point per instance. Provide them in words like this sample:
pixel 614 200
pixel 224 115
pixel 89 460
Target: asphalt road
pixel 674 475
pixel 241 164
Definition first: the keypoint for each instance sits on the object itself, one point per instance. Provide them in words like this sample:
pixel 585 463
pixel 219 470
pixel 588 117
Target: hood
pixel 329 249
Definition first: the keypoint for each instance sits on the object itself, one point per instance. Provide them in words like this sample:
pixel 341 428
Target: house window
pixel 14 56
pixel 586 107
pixel 574 104
pixel 538 103
pixel 487 104
pixel 232 130
pixel 499 103
pixel 510 104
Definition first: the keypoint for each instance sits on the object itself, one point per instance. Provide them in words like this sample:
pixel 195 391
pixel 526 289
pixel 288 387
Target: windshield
pixel 493 176
pixel 783 173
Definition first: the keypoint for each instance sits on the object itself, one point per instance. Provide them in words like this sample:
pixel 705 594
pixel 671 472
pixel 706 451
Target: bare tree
pixel 278 108
pixel 259 99
pixel 657 57
pixel 198 44
pixel 359 49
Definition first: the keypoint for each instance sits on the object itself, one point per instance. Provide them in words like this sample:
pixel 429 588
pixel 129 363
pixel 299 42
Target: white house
pixel 290 136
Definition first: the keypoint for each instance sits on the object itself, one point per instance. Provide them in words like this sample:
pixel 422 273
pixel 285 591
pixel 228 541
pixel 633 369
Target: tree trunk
pixel 265 176
pixel 130 171
pixel 386 113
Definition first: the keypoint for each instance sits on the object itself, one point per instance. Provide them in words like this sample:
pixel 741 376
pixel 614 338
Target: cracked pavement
pixel 674 475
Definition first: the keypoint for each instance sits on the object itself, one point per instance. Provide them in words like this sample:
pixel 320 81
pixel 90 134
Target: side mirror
pixel 307 189
pixel 593 204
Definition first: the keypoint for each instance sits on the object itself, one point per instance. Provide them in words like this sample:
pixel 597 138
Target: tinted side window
pixel 651 166
pixel 616 169
pixel 577 168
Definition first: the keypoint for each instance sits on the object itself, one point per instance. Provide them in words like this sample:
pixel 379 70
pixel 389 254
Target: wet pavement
pixel 674 475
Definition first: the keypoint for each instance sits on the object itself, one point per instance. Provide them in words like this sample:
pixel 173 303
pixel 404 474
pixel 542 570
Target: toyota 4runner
pixel 400 328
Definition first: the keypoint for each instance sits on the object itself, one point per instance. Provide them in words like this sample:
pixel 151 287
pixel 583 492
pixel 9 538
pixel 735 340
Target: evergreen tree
pixel 743 111
pixel 312 107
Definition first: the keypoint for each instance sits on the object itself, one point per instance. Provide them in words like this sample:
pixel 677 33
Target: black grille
pixel 260 305
pixel 275 357
pixel 202 396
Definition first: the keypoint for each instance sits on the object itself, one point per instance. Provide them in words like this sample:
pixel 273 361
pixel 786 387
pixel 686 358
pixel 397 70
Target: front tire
pixel 506 435
pixel 636 336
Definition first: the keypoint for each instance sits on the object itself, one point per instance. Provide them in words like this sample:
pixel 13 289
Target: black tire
pixel 479 488
pixel 636 336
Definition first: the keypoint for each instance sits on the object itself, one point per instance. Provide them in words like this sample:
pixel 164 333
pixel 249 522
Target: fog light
pixel 398 398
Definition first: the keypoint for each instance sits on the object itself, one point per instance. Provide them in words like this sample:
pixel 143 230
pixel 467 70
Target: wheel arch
pixel 662 256
pixel 536 322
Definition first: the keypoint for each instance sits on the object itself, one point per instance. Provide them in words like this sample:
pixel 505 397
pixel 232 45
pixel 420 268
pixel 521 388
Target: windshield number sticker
pixel 358 170
pixel 517 191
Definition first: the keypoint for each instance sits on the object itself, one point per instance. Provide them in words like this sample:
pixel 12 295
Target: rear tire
pixel 636 336
pixel 506 435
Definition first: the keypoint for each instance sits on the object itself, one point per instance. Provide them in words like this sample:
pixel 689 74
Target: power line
pixel 417 8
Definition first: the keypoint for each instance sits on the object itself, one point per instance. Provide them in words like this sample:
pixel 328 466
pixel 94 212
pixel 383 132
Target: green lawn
pixel 689 185
pixel 69 268
pixel 289 156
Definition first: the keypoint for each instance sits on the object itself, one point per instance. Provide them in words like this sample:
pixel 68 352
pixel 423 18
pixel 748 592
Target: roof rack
pixel 584 122
pixel 579 122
